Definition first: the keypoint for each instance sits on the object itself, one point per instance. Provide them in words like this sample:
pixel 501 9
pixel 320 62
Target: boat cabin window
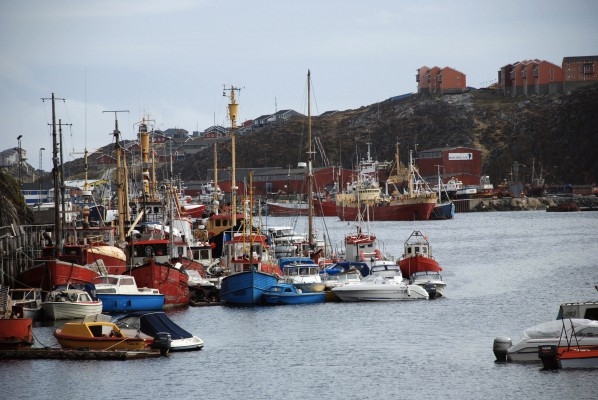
pixel 590 331
pixel 416 249
pixel 591 313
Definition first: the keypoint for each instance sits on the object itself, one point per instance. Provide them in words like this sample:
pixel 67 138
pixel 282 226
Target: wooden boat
pixel 15 331
pixel 98 335
pixel 119 293
pixel 70 304
pixel 417 256
pixel 286 293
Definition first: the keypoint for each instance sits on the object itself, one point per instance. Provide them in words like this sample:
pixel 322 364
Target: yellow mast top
pixel 233 113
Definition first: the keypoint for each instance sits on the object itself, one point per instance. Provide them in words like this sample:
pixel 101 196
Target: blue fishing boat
pixel 286 293
pixel 119 293
pixel 245 257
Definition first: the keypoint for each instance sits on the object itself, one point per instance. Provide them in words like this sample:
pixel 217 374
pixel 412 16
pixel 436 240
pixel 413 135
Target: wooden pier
pixel 72 354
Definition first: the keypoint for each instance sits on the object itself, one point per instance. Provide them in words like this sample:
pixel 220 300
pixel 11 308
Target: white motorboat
pixel 561 332
pixel 303 273
pixel 431 281
pixel 384 283
pixel 148 324
pixel 70 304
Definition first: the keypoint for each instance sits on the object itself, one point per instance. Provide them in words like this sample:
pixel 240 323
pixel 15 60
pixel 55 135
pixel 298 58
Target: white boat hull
pixel 70 310
pixel 380 292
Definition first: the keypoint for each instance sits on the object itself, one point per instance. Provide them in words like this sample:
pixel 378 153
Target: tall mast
pixel 309 162
pixel 233 113
pixel 57 228
pixel 121 181
pixel 215 202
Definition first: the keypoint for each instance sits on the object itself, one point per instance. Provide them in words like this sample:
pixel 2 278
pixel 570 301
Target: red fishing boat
pixel 15 331
pixel 151 267
pixel 324 207
pixel 417 256
pixel 412 201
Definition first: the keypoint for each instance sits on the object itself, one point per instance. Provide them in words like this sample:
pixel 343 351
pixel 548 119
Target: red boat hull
pixel 171 282
pixel 403 212
pixel 53 273
pixel 418 263
pixel 281 210
pixel 324 208
pixel 15 333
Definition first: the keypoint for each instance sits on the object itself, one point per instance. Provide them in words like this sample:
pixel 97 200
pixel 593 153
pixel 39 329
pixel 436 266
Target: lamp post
pixel 20 180
pixel 41 174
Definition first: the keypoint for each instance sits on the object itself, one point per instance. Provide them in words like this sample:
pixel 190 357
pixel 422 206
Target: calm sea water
pixel 504 271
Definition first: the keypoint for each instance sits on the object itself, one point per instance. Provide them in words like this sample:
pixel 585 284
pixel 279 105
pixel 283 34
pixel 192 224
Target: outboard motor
pixel 500 347
pixel 548 355
pixel 162 341
pixel 431 289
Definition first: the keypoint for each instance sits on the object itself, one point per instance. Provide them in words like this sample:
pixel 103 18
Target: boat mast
pixel 215 201
pixel 121 181
pixel 57 228
pixel 309 164
pixel 233 112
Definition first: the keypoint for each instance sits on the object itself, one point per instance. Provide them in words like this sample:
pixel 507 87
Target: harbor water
pixel 505 271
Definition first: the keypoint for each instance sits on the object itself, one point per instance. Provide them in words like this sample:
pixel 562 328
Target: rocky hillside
pixel 559 133
pixel 12 205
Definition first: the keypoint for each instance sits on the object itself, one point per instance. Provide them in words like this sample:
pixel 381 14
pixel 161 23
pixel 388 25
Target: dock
pixel 73 354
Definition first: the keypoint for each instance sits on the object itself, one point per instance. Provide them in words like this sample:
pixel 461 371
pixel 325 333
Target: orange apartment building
pixel 529 77
pixel 579 71
pixel 440 80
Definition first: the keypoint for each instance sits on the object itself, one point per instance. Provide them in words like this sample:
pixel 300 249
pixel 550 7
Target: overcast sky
pixel 169 59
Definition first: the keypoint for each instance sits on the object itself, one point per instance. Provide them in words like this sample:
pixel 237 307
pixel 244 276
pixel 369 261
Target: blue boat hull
pixel 298 298
pixel 443 211
pixel 131 302
pixel 245 288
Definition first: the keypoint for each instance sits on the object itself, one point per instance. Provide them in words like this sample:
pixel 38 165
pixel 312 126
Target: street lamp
pixel 19 140
pixel 41 174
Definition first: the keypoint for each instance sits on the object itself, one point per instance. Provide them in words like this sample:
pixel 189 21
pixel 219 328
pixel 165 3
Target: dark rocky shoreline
pixel 532 203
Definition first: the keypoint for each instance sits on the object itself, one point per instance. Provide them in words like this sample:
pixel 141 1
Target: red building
pixel 463 163
pixel 579 71
pixel 440 80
